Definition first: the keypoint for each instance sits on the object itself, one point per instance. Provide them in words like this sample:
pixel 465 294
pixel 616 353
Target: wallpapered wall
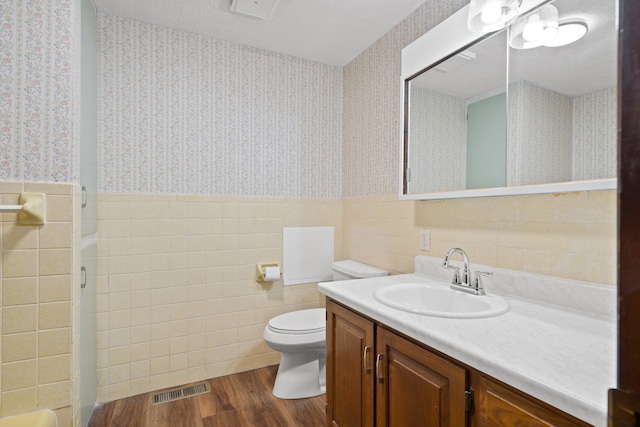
pixel 539 135
pixel 573 137
pixel 372 115
pixel 595 135
pixel 438 142
pixel 186 114
pixel 38 82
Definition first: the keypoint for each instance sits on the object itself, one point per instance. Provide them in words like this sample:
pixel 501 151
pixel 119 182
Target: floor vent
pixel 180 393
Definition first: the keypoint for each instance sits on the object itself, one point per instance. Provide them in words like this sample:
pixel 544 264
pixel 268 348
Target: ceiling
pixel 328 31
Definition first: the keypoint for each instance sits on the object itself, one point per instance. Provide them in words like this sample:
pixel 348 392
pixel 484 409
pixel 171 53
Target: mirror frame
pixel 445 40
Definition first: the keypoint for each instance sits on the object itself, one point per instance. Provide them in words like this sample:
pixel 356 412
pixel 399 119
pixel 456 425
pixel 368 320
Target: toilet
pixel 301 338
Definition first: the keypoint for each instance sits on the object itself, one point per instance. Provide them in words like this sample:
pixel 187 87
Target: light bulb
pixel 549 34
pixel 491 13
pixel 568 32
pixel 533 30
pixel 486 16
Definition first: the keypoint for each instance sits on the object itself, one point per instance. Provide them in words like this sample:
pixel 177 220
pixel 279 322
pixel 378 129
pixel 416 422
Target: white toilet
pixel 301 338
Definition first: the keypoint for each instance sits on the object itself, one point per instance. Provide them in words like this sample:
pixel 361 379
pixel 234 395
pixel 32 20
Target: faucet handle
pixel 477 281
pixel 477 274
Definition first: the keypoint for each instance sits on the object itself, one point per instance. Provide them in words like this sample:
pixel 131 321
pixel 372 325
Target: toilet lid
pixel 299 322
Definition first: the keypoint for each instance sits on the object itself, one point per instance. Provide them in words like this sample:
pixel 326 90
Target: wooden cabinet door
pixel 415 387
pixel 350 386
pixel 499 406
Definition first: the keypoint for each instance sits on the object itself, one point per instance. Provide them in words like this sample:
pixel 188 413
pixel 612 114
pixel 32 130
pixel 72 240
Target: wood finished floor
pixel 242 399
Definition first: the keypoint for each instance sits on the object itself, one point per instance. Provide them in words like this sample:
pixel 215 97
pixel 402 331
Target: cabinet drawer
pixel 502 407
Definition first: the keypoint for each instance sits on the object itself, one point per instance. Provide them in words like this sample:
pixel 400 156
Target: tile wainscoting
pixel 177 295
pixel 40 305
pixel 569 235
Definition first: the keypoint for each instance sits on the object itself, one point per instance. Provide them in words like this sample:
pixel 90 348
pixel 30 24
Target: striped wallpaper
pixel 39 78
pixel 185 114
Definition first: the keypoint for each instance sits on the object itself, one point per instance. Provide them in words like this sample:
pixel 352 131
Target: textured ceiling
pixel 328 31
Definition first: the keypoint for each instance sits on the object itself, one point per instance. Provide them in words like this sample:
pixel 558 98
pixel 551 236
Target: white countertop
pixel 563 357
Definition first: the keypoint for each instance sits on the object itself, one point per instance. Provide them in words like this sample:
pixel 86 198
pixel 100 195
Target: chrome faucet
pixel 456 275
pixel 462 282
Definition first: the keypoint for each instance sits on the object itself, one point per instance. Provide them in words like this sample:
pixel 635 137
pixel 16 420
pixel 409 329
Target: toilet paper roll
pixel 271 274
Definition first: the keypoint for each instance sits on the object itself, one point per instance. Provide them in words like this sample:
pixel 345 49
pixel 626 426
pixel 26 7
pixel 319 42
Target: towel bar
pixel 31 210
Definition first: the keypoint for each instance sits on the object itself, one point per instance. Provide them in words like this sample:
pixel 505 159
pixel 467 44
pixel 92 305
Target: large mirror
pixel 482 118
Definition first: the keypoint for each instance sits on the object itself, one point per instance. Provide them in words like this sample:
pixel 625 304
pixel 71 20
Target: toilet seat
pixel 299 322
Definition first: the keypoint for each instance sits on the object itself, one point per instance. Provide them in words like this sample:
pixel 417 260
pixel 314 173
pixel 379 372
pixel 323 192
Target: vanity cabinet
pixel 501 406
pixel 415 387
pixel 412 386
pixel 350 375
pixel 375 376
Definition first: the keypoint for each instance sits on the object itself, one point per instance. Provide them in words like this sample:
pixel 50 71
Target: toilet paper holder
pixel 263 276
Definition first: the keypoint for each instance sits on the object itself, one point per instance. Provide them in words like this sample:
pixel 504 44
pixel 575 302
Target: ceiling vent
pixel 456 61
pixel 262 9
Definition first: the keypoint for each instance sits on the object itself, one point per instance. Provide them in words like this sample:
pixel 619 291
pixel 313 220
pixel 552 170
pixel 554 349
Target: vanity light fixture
pixel 486 16
pixel 568 32
pixel 535 29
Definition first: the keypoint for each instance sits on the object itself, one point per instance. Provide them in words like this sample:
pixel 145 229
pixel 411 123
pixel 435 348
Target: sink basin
pixel 440 300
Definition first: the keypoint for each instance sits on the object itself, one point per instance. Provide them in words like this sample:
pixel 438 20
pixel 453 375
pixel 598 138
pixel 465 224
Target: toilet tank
pixel 349 269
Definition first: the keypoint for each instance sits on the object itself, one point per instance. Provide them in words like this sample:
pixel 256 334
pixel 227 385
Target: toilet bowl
pixel 301 338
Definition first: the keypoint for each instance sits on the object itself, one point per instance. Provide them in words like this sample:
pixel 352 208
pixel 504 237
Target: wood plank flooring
pixel 238 400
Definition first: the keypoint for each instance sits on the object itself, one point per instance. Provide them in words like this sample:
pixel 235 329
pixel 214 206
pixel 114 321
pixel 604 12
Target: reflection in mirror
pixel 486 141
pixel 560 121
pixel 563 102
pixel 469 83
